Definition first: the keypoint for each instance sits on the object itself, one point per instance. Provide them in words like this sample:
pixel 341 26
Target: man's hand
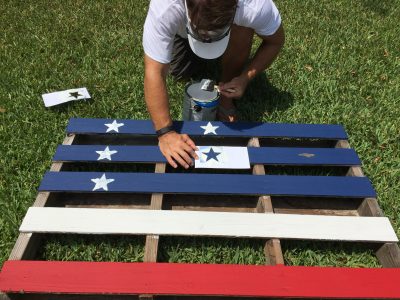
pixel 177 148
pixel 235 88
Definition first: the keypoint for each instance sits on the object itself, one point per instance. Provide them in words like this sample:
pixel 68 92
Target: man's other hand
pixel 235 88
pixel 177 148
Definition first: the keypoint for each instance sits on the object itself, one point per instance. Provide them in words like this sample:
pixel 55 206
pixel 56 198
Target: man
pixel 177 32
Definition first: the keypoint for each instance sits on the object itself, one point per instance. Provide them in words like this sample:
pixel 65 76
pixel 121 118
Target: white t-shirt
pixel 167 18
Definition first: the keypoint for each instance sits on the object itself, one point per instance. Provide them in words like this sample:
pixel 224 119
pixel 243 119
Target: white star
pixel 101 183
pixel 209 128
pixel 113 126
pixel 106 153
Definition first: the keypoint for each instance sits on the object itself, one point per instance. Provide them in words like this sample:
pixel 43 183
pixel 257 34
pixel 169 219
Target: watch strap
pixel 164 130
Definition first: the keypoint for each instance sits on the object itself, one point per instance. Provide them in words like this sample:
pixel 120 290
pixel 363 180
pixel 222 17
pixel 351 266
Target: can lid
pixel 195 92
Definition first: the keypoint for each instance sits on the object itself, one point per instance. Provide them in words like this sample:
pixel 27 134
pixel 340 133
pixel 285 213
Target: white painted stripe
pixel 193 223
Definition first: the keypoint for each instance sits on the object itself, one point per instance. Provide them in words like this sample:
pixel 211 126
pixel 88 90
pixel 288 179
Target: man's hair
pixel 211 14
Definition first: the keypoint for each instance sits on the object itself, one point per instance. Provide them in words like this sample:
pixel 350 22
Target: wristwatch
pixel 164 130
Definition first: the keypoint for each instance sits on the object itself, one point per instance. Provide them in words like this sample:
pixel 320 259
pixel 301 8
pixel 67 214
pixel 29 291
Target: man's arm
pixel 265 55
pixel 174 146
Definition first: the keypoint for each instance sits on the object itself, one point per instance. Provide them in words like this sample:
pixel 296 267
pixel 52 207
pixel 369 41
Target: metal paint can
pixel 198 104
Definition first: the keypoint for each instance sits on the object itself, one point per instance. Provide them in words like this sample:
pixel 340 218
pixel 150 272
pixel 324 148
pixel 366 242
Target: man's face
pixel 204 35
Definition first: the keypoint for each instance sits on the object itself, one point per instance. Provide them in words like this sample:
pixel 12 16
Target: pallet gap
pixel 327 253
pixel 216 250
pixel 99 248
pixel 307 170
pixel 99 200
pixel 222 203
pixel 193 170
pixel 121 139
pixel 316 205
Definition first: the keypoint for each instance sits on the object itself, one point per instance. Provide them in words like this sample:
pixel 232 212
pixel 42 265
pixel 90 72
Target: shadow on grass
pixel 261 99
pixel 380 7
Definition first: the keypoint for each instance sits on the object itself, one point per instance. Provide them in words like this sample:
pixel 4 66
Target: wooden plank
pixel 335 186
pixel 265 155
pixel 388 254
pixel 240 129
pixel 195 223
pixel 26 245
pixel 272 248
pixel 198 279
pixel 151 247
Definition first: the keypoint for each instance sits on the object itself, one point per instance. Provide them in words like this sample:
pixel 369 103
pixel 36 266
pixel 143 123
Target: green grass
pixel 340 64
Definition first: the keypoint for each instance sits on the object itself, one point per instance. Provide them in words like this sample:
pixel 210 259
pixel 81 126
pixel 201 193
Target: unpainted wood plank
pixel 151 247
pixel 199 280
pixel 309 211
pixel 226 203
pixel 272 248
pixel 123 200
pixel 317 205
pixel 389 253
pixel 370 207
pixel 194 223
pixel 213 208
pixel 26 245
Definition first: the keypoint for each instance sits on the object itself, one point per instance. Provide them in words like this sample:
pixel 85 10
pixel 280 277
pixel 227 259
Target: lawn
pixel 340 65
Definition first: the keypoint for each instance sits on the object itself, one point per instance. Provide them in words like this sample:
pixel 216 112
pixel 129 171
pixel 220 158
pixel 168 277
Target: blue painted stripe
pixel 264 155
pixel 238 129
pixel 335 186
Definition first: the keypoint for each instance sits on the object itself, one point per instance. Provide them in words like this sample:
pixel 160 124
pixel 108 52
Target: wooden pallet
pixel 273 207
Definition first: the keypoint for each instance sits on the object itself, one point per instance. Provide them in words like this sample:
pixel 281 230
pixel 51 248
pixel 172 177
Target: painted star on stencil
pixel 101 183
pixel 113 126
pixel 209 128
pixel 74 94
pixel 106 153
pixel 211 154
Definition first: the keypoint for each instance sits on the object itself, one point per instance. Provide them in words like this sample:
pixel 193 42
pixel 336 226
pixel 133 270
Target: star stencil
pixel 74 94
pixel 106 153
pixel 113 126
pixel 209 128
pixel 211 154
pixel 101 183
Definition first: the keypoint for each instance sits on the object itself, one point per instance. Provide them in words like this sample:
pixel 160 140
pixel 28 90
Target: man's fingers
pixel 180 160
pixel 190 142
pixel 171 161
pixel 230 95
pixel 186 157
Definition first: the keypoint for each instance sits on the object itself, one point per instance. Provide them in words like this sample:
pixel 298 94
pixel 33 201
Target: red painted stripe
pixel 196 279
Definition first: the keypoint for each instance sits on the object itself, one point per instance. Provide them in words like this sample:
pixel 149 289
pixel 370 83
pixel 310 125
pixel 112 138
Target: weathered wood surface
pixel 272 247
